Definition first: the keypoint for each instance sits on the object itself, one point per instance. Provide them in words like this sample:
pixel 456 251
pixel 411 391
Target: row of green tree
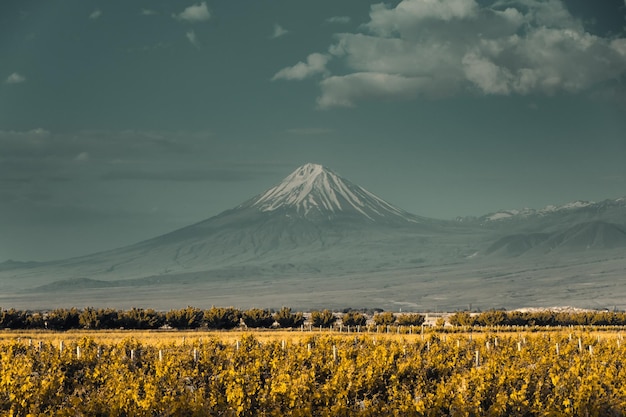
pixel 538 318
pixel 137 318
pixel 192 318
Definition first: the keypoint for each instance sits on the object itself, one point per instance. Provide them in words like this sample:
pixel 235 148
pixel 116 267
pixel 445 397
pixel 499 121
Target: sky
pixel 123 120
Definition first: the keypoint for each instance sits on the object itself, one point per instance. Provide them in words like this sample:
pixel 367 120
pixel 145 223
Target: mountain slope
pixel 312 221
pixel 317 193
pixel 316 239
pixel 595 235
pixel 588 236
pixel 555 217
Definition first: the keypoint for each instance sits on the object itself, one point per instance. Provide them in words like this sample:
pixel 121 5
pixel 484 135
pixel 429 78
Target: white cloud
pixel 345 91
pixel 191 36
pixel 489 77
pixel 315 64
pixel 95 14
pixel 278 32
pixel 506 47
pixel 148 12
pixel 409 13
pixel 15 78
pixel 82 157
pixel 339 19
pixel 196 13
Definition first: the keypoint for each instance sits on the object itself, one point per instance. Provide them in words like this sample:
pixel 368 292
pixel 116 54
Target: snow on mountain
pixel 550 209
pixel 569 206
pixel 313 192
pixel 317 240
pixel 505 214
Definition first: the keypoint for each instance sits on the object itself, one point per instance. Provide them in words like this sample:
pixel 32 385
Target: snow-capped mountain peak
pixel 569 206
pixel 315 191
pixel 550 209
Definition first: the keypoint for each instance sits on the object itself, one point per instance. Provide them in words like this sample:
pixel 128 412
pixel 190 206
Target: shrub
pixel 384 319
pixel 354 318
pixel 461 318
pixel 324 318
pixel 256 317
pixel 222 318
pixel 63 319
pixel 412 319
pixel 286 318
pixel 187 318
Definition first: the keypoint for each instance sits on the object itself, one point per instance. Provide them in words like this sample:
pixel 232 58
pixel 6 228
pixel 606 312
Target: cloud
pixel 307 131
pixel 191 36
pixel 339 19
pixel 37 159
pixel 437 48
pixel 82 157
pixel 278 32
pixel 15 78
pixel 345 91
pixel 40 144
pixel 408 13
pixel 222 175
pixel 315 64
pixel 95 14
pixel 148 12
pixel 196 13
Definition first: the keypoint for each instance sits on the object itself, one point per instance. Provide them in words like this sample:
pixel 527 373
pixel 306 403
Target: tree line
pixel 224 318
pixel 538 318
pixel 218 318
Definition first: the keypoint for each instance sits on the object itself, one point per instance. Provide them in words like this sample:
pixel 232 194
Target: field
pixel 572 371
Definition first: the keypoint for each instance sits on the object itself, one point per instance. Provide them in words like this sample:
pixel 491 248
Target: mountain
pixel 319 240
pixel 317 193
pixel 312 221
pixel 594 235
pixel 573 212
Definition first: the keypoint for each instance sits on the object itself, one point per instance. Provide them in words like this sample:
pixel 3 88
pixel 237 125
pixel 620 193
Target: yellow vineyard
pixel 312 373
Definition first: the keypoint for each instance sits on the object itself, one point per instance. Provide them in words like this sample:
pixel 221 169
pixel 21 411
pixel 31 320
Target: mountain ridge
pixel 314 192
pixel 316 234
pixel 573 206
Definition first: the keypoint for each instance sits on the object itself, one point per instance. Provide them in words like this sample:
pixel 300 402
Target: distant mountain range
pixel 318 240
pixel 613 209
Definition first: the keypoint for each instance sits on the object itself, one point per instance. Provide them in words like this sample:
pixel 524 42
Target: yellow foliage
pixel 300 374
